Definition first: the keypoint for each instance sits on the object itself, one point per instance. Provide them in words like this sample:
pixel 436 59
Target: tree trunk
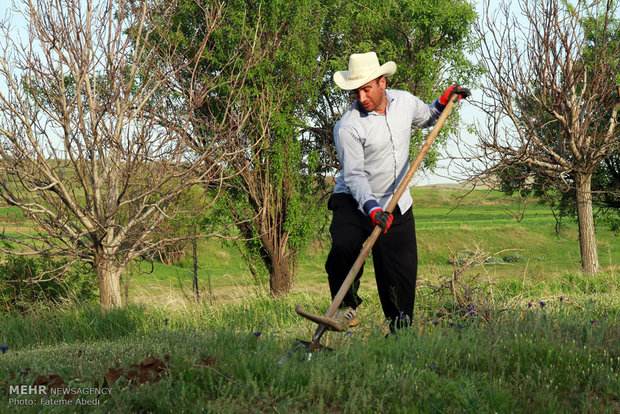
pixel 281 275
pixel 195 259
pixel 109 277
pixel 587 241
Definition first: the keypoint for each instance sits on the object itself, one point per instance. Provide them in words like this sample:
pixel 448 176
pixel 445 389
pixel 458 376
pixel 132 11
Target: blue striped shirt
pixel 373 148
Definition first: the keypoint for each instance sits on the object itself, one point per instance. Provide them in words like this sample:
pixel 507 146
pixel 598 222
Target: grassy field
pixel 522 332
pixel 449 222
pixel 518 356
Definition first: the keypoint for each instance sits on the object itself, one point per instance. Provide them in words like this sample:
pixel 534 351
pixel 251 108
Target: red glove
pixel 461 92
pixel 381 218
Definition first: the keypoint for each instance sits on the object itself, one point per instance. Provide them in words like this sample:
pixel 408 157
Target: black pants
pixel 395 256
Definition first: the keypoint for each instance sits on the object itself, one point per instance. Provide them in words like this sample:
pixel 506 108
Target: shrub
pixel 466 258
pixel 29 281
pixel 514 258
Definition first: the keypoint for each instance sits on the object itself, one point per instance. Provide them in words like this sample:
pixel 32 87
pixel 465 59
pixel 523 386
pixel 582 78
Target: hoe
pixel 326 322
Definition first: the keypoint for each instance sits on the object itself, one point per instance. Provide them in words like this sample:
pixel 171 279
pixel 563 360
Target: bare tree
pixel 95 130
pixel 551 100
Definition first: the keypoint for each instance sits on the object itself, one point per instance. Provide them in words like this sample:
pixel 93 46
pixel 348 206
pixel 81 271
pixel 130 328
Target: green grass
pixel 445 226
pixel 562 357
pixel 448 222
pixel 11 215
pixel 492 222
pixel 489 346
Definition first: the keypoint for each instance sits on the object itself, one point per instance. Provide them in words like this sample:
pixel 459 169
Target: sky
pixel 443 173
pixel 470 115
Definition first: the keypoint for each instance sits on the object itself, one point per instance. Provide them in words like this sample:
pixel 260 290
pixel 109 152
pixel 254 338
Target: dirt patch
pixel 54 382
pixel 18 229
pixel 207 361
pixel 149 371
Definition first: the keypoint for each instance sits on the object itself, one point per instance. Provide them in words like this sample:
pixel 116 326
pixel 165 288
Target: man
pixel 372 142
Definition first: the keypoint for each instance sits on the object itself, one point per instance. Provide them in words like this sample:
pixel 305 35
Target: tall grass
pixel 562 356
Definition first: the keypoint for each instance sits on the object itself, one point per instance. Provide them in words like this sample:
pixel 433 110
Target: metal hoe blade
pixel 303 351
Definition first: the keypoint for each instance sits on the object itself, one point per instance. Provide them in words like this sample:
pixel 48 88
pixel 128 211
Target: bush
pixel 465 258
pixel 514 258
pixel 29 281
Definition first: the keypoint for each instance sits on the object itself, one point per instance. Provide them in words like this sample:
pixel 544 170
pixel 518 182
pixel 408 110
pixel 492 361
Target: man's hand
pixel 461 92
pixel 381 218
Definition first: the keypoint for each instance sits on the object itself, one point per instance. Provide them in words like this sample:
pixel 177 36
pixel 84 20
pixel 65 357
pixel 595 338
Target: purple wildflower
pixel 561 298
pixel 349 333
pixel 542 304
pixel 257 334
pixel 435 323
pixel 451 323
pixel 593 321
pixel 432 367
pixel 166 321
pixel 4 349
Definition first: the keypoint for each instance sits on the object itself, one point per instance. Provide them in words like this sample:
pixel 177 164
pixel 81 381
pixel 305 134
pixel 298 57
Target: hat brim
pixel 342 77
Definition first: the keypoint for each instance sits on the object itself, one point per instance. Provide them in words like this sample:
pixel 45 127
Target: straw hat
pixel 363 67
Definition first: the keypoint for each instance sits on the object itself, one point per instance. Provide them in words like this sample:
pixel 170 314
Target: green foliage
pixel 605 195
pixel 517 179
pixel 27 283
pixel 508 225
pixel 514 258
pixel 294 49
pixel 428 40
pixel 272 188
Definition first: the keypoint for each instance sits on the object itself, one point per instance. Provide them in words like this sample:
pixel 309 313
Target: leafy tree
pixel 605 196
pixel 606 176
pixel 275 201
pixel 268 190
pixel 428 40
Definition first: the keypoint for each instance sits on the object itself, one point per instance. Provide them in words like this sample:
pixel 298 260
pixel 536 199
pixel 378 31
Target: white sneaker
pixel 346 316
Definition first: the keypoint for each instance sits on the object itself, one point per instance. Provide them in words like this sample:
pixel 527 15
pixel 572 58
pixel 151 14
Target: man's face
pixel 372 95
